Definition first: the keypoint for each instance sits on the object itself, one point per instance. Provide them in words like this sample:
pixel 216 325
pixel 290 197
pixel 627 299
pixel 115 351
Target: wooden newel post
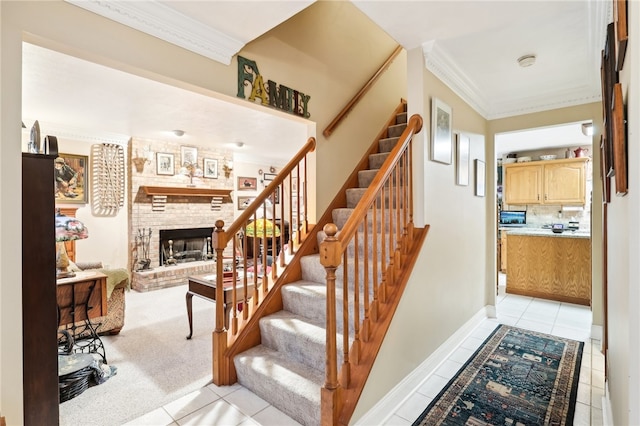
pixel 330 258
pixel 219 341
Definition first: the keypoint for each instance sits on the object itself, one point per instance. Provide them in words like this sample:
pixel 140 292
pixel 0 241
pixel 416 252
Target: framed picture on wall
pixel 462 159
pixel 210 168
pixel 243 202
pixel 70 177
pixel 165 164
pixel 247 183
pixel 480 177
pixel 440 132
pixel 188 155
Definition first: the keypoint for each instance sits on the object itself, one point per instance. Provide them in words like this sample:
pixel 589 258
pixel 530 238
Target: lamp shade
pixel 262 228
pixel 69 229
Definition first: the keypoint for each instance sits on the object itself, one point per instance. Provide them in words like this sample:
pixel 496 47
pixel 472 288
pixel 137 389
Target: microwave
pixel 513 218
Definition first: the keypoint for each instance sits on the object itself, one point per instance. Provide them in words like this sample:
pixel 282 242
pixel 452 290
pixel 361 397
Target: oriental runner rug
pixel 517 377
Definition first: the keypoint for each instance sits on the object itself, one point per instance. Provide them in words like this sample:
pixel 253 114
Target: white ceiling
pixel 470 45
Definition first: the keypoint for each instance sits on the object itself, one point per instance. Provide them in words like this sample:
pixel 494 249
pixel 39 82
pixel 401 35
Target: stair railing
pixel 245 278
pixel 379 234
pixel 343 113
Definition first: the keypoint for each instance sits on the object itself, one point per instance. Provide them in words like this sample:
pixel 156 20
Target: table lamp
pixel 260 228
pixel 67 229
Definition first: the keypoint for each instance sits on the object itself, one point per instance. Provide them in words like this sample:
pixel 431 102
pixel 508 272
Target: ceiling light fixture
pixel 178 132
pixel 587 129
pixel 526 60
pixel 239 144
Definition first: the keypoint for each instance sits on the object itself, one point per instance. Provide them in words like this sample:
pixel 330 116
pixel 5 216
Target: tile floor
pixel 235 405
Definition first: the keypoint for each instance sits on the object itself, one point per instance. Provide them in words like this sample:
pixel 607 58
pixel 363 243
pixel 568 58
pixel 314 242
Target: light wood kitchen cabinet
pixel 522 183
pixel 503 252
pixel 546 182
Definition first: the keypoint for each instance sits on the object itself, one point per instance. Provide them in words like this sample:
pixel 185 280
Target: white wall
pixel 448 285
pixel 623 379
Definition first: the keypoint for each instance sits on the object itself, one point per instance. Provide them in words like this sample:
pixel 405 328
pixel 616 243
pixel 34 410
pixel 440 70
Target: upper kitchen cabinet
pixel 522 183
pixel 546 182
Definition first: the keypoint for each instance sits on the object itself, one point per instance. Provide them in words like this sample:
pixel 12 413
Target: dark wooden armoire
pixel 39 313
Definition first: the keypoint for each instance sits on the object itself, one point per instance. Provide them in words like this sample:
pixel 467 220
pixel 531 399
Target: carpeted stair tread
pixel 376 160
pixel 290 386
pixel 304 339
pixel 341 215
pixel 308 300
pixel 401 118
pixel 385 145
pixel 396 130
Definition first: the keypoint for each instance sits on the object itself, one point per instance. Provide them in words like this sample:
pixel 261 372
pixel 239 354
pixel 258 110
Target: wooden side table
pixel 204 286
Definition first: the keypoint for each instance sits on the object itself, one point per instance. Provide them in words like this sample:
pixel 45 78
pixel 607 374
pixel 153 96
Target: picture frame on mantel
pixel 71 179
pixel 165 164
pixel 480 177
pixel 441 137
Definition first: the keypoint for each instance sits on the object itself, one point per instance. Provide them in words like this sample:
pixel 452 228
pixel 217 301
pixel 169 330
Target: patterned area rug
pixel 517 377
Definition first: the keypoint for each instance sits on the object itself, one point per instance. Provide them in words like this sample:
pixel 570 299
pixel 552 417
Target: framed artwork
pixel 268 177
pixel 247 183
pixel 609 77
pixel 243 202
pixel 165 164
pixel 619 142
pixel 622 36
pixel 210 168
pixel 480 177
pixel 440 132
pixel 70 177
pixel 275 196
pixel 606 181
pixel 188 155
pixel 462 159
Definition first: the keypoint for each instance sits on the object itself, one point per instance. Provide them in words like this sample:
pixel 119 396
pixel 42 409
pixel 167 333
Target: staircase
pixel 288 368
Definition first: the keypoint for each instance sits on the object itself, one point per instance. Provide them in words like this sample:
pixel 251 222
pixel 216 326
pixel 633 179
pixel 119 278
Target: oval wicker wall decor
pixel 107 179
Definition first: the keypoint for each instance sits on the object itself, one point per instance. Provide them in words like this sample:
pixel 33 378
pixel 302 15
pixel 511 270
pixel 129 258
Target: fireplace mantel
pixel 187 191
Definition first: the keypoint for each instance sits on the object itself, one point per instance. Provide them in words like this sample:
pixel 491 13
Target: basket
pixel 72 385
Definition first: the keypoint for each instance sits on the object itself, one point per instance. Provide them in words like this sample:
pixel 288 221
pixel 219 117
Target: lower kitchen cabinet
pixel 550 267
pixel 503 252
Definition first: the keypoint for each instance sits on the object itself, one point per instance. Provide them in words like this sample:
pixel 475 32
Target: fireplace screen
pixel 185 245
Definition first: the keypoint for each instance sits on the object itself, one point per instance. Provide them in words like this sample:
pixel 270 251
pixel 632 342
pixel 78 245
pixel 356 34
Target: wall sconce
pixel 227 166
pixel 587 129
pixel 140 161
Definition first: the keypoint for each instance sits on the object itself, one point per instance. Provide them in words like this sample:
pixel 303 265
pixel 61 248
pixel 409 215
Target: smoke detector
pixel 526 60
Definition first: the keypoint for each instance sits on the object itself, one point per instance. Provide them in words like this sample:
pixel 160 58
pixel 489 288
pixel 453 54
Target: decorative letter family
pixel 270 94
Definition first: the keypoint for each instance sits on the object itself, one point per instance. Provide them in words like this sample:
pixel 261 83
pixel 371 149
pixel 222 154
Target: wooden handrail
pixel 342 114
pixel 248 213
pixel 387 257
pixel 348 231
pixel 250 273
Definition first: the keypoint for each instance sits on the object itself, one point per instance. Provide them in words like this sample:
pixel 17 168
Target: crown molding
pixel 438 62
pixel 445 68
pixel 158 20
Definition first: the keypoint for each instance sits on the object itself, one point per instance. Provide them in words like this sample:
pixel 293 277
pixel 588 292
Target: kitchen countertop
pixel 545 232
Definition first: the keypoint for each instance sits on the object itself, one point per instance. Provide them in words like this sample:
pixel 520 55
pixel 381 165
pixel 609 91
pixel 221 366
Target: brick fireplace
pixel 165 204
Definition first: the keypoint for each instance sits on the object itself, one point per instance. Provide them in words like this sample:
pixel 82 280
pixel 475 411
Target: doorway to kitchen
pixel 544 181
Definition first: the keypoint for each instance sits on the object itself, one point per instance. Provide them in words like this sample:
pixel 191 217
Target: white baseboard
pixel 596 332
pixel 388 405
pixel 607 416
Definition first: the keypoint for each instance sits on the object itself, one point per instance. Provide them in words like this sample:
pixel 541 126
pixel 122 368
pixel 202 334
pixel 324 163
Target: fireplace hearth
pixel 188 245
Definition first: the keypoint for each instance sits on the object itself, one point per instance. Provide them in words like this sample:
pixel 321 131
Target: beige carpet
pixel 156 364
